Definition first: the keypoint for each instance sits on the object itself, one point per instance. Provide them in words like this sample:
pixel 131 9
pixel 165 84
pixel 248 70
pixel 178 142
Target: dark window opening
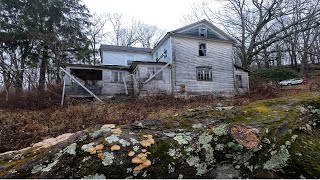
pixel 87 74
pixel 202 49
pixel 203 32
pixel 239 81
pixel 204 73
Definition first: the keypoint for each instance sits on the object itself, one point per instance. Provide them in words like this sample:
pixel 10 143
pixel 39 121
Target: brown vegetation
pixel 31 117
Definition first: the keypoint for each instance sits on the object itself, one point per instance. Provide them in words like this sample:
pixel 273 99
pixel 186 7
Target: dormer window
pixel 203 32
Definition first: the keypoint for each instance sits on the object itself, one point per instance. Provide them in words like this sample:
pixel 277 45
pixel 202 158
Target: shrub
pixel 275 74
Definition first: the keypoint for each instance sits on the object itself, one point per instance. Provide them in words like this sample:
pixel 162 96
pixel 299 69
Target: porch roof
pixel 136 63
pixel 87 66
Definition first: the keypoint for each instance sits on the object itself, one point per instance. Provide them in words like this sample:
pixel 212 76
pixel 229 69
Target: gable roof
pixel 208 24
pixel 224 36
pixel 125 48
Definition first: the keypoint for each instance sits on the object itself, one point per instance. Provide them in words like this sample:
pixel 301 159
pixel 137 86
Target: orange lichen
pixel 131 153
pixel 136 160
pixel 101 155
pixel 99 147
pixel 145 143
pixel 115 148
pixel 116 131
pixel 92 150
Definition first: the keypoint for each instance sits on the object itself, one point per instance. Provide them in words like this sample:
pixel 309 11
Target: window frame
pixel 205 34
pixel 204 73
pixel 159 76
pixel 201 49
pixel 239 81
pixel 119 75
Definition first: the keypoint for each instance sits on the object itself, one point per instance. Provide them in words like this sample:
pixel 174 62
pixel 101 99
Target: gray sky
pixel 166 14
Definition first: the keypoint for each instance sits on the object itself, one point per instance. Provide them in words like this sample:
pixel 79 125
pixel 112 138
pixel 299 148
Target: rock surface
pixel 266 139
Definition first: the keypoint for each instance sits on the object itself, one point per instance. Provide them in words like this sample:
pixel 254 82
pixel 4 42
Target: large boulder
pixel 267 139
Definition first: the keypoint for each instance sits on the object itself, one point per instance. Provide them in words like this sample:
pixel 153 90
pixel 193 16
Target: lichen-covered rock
pixel 204 146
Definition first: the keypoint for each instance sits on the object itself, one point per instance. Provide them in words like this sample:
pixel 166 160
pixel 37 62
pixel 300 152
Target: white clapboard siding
pixel 112 88
pixel 121 57
pixel 219 57
pixel 159 50
pixel 154 86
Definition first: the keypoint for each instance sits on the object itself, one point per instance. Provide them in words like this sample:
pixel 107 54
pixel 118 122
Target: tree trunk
pixel 43 69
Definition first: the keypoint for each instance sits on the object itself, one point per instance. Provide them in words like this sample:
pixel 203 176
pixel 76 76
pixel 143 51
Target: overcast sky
pixel 166 14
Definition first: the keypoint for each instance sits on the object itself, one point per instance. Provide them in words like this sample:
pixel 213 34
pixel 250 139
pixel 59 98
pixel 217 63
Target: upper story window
pixel 153 70
pixel 202 49
pixel 118 76
pixel 204 74
pixel 203 32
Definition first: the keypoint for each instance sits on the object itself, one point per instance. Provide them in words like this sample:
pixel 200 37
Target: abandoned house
pixel 194 59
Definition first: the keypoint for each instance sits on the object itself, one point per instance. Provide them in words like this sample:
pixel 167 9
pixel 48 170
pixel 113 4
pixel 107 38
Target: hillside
pixel 277 138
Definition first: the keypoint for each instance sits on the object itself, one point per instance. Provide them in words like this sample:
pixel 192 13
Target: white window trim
pixel 159 76
pixel 205 31
pixel 203 69
pixel 119 77
pixel 206 49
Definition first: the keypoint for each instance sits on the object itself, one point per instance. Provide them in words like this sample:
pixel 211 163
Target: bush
pixel 32 100
pixel 275 74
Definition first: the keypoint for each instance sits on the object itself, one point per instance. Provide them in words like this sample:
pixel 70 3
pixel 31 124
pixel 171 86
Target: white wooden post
pixel 125 84
pixel 73 78
pixel 63 89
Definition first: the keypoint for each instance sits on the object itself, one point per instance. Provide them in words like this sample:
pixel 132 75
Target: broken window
pixel 202 49
pixel 118 76
pixel 203 32
pixel 152 71
pixel 87 74
pixel 204 73
pixel 239 81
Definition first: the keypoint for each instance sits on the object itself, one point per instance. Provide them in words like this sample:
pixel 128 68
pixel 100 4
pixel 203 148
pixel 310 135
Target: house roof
pixel 136 63
pixel 125 48
pixel 87 66
pixel 224 36
pixel 242 68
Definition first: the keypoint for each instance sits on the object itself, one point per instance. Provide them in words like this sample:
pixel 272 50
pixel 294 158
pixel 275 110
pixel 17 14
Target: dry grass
pixel 21 127
pixel 35 116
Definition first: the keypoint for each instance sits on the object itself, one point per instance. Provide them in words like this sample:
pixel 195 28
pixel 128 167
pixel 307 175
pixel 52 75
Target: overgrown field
pixel 31 117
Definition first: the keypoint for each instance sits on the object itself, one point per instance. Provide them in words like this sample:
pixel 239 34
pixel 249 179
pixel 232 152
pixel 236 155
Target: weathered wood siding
pixel 154 86
pixel 121 57
pixel 186 59
pixel 160 50
pixel 112 88
pixel 108 86
pixel 245 80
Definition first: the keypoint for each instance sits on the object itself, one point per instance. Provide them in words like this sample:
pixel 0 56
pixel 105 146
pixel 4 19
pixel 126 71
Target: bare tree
pixel 254 24
pixel 96 33
pixel 135 33
pixel 149 36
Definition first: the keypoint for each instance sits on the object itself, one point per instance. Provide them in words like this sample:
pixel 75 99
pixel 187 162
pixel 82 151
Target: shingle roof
pixel 125 48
